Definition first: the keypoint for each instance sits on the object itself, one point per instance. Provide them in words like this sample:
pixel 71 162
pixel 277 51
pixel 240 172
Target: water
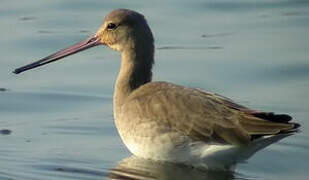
pixel 56 121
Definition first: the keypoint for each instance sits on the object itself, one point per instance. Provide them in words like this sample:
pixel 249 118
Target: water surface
pixel 56 121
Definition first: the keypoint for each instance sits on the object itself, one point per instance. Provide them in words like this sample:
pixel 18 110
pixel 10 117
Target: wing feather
pixel 199 115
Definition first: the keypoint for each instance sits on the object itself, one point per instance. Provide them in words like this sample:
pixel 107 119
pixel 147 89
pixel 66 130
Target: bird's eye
pixel 111 26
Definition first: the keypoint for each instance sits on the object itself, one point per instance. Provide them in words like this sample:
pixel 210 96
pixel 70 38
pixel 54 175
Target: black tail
pixel 279 118
pixel 282 118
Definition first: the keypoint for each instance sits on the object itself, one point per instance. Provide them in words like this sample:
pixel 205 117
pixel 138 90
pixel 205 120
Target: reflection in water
pixel 138 168
pixel 5 131
pixel 27 18
pixel 3 89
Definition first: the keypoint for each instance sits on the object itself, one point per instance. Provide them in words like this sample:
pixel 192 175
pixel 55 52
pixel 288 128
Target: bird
pixel 166 122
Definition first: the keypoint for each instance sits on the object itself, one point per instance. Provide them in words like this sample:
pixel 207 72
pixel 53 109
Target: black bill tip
pixel 27 67
pixel 17 71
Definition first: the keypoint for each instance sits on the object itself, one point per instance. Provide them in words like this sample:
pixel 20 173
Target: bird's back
pixel 161 118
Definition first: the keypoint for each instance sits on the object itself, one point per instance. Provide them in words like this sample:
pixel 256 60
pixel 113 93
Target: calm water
pixel 56 121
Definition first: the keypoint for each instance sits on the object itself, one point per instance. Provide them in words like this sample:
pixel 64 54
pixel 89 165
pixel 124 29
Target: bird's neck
pixel 135 70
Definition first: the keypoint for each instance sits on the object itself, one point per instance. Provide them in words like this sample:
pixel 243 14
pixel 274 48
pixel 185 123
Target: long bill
pixel 80 46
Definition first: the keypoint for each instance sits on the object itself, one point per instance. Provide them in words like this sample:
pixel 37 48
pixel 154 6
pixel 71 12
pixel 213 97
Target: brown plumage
pixel 202 115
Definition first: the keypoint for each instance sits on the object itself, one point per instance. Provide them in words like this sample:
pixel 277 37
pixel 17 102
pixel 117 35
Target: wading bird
pixel 167 122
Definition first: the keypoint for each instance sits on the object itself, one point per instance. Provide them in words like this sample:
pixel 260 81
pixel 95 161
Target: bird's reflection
pixel 138 168
pixel 134 168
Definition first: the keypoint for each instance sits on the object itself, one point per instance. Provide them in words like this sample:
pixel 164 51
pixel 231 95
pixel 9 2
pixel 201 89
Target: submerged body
pixel 166 122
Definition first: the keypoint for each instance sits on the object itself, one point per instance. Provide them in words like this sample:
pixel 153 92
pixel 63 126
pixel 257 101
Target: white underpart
pixel 200 154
